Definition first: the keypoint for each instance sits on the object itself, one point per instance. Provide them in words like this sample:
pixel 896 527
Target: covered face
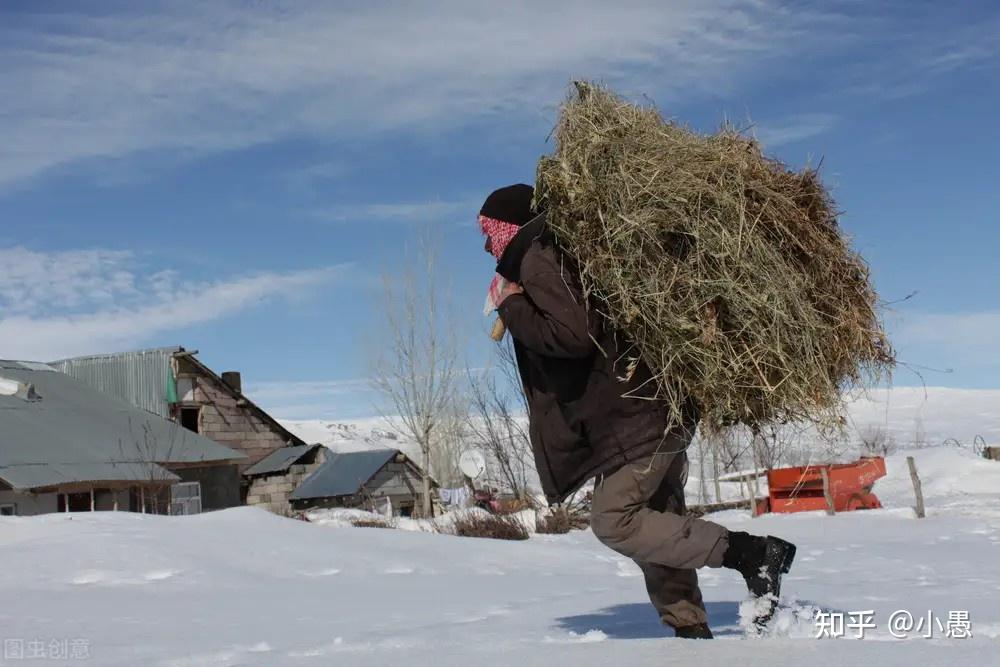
pixel 498 234
pixel 502 215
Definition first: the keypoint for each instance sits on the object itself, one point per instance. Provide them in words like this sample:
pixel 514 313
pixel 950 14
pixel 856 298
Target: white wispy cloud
pixel 966 335
pixel 314 399
pixel 933 346
pixel 795 128
pixel 64 304
pixel 191 78
pixel 294 390
pixel 434 211
pixel 314 177
pixel 31 281
pixel 907 54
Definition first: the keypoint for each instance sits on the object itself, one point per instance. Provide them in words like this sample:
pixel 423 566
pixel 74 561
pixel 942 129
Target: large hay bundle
pixel 726 269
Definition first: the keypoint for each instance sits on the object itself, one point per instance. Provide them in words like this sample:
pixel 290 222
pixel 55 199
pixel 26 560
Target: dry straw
pixel 728 271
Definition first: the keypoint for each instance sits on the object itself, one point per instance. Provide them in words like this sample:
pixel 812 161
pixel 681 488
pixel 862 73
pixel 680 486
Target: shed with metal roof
pixel 273 479
pixel 375 480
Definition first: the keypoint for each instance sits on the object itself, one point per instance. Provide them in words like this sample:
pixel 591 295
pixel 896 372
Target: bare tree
pixel 446 450
pixel 702 482
pixel 876 441
pixel 146 453
pixel 782 444
pixel 497 424
pixel 730 448
pixel 414 368
pixel 716 469
pixel 919 432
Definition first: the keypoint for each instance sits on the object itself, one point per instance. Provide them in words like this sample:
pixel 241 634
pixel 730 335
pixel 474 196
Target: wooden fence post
pixel 715 469
pixel 825 472
pixel 745 483
pixel 917 491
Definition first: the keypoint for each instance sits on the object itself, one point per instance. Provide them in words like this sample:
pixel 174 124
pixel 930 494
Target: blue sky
pixel 234 177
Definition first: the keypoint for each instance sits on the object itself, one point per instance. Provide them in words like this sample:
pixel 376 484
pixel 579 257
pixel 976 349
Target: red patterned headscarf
pixel 499 232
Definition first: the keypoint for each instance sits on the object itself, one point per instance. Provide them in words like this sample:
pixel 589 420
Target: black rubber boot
pixel 761 561
pixel 699 631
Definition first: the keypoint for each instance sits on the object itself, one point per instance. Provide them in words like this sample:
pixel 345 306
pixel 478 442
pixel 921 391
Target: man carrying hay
pixel 594 413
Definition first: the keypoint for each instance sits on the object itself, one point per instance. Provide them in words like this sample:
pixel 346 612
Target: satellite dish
pixel 472 463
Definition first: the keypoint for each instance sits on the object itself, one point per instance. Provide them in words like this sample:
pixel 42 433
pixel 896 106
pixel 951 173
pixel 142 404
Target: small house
pixel 273 479
pixel 66 447
pixel 379 480
pixel 173 383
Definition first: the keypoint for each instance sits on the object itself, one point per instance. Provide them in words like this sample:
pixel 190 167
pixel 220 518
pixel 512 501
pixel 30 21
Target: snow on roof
pixel 279 460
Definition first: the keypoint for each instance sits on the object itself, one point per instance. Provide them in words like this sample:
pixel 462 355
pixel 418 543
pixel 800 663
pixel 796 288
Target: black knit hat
pixel 511 204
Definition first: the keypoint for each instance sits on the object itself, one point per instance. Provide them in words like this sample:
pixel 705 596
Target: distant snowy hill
pixel 353 436
pixel 941 412
pixel 934 414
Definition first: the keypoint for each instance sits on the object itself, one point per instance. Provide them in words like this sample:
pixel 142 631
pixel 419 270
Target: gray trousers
pixel 638 510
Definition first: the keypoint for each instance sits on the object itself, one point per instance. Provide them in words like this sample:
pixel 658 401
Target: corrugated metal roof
pixel 343 474
pixel 279 460
pixel 76 433
pixel 145 379
pixel 34 366
pixel 35 475
pixel 140 378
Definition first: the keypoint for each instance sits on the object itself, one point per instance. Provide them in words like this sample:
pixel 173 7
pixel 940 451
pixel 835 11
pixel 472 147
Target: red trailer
pixel 801 489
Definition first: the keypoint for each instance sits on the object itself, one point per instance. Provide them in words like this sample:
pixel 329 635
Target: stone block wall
pixel 271 492
pixel 224 419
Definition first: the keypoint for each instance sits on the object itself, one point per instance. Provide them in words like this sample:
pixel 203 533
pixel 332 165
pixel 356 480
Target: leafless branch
pixel 414 367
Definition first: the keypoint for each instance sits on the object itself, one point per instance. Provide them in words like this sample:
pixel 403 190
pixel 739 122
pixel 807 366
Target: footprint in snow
pixel 92 577
pixel 101 577
pixel 398 570
pixel 574 638
pixel 469 619
pixel 317 651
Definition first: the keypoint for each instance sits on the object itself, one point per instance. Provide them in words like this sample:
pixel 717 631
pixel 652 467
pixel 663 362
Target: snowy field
pixel 243 587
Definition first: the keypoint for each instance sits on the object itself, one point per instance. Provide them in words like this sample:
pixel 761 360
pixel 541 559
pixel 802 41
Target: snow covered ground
pixel 243 587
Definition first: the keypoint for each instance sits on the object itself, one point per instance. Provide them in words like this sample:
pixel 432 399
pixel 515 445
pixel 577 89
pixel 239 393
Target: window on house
pixel 150 500
pixel 74 502
pixel 8 509
pixel 185 498
pixel 189 418
pixel 185 389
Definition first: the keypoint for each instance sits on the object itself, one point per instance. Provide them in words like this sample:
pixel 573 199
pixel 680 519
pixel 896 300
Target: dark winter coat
pixel 584 419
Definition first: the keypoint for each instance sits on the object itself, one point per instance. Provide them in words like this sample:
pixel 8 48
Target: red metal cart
pixel 801 489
